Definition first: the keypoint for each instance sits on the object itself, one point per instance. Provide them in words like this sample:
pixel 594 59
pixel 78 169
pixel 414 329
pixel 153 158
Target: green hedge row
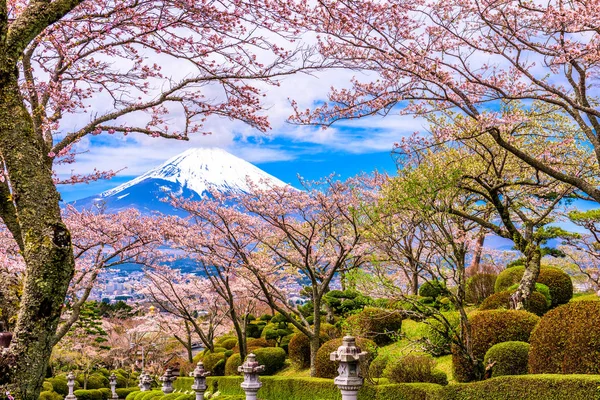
pixel 522 387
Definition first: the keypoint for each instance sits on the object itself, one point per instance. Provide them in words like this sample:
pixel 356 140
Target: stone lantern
pixel 113 386
pixel 71 385
pixel 167 379
pixel 199 385
pixel 145 382
pixel 251 383
pixel 349 356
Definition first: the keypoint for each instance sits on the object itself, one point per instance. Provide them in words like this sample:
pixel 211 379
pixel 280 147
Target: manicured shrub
pixel 124 392
pixel 47 387
pixel 537 303
pixel 510 358
pixel 219 341
pixel 480 286
pixel 438 334
pixel 258 342
pixel 94 381
pixel 229 343
pixel 325 368
pixel 210 361
pixel 59 383
pixel 540 288
pixel 50 395
pixel 299 349
pixel 432 289
pixel 148 395
pixel 378 365
pixel 487 329
pixel 559 282
pixel 122 381
pixel 232 364
pixel 273 358
pixel 92 394
pixel 567 340
pixel 219 368
pixel 377 324
pixel 106 393
pixel 413 368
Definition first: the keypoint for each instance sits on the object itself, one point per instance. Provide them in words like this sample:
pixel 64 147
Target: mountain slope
pixel 190 174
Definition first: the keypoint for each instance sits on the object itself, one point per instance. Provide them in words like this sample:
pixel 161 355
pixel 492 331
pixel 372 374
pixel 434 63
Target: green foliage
pixel 211 360
pixel 536 304
pixel 378 324
pixel 487 329
pixel 47 387
pixel 299 349
pixel 273 358
pixel 345 302
pixel 106 393
pixel 124 392
pixel 510 358
pixel 258 342
pixel 50 395
pixel 480 286
pixel 232 364
pixel 439 332
pixel 559 282
pixel 567 340
pixel 229 343
pixel 432 289
pixel 413 368
pixel 378 364
pixel 254 329
pixel 59 383
pixel 93 394
pixel 325 368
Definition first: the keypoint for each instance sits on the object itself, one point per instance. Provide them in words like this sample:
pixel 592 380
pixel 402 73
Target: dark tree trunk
pixel 32 214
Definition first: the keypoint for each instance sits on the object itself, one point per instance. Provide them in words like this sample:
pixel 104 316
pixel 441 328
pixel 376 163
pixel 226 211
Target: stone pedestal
pixel 113 386
pixel 167 381
pixel 71 385
pixel 251 383
pixel 349 356
pixel 199 385
pixel 145 382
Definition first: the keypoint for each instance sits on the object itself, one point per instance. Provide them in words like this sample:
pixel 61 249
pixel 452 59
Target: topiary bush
pixel 47 387
pixel 273 358
pixel 559 282
pixel 413 368
pixel 210 362
pixel 377 324
pixel 325 368
pixel 479 287
pixel 229 343
pixel 124 392
pixel 537 303
pixel 106 393
pixel 50 395
pixel 232 364
pixel 59 383
pixel 378 365
pixel 438 334
pixel 299 349
pixel 432 289
pixel 91 394
pixel 567 340
pixel 487 329
pixel 510 358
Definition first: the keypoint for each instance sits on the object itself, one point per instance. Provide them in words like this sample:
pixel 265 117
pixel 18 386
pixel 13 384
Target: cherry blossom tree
pixel 106 61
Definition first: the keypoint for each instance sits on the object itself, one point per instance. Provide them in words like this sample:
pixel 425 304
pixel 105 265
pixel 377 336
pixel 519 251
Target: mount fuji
pixel 190 174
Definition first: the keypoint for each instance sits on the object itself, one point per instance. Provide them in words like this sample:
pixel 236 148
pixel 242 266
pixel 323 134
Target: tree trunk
pixel 315 340
pixel 475 266
pixel 533 256
pixel 415 282
pixel 32 214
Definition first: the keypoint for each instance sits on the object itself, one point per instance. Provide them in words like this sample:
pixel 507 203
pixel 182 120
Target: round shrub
pixel 59 383
pixel 413 368
pixel 258 342
pixel 232 364
pixel 510 358
pixel 480 286
pixel 299 349
pixel 559 282
pixel 47 387
pixel 438 334
pixel 377 324
pixel 537 303
pixel 124 392
pixel 273 358
pixel 567 340
pixel 210 361
pixel 325 368
pixel 106 393
pixel 378 365
pixel 122 381
pixel 489 328
pixel 432 289
pixel 229 343
pixel 219 341
pixel 91 394
pixel 50 395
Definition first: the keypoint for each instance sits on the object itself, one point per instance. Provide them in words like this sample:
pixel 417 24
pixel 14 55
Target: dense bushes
pixel 273 358
pixel 510 358
pixel 487 329
pixel 438 333
pixel 232 364
pixel 59 383
pixel 299 349
pixel 229 343
pixel 559 282
pixel 480 286
pixel 378 364
pixel 377 324
pixel 432 289
pixel 50 395
pixel 414 368
pixel 92 394
pixel 94 381
pixel 215 363
pixel 567 340
pixel 124 392
pixel 537 303
pixel 325 368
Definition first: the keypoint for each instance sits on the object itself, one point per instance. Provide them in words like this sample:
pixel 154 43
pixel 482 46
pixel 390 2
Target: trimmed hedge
pixel 325 368
pixel 59 384
pixel 50 395
pixel 414 368
pixel 537 303
pixel 92 394
pixel 124 392
pixel 378 324
pixel 273 358
pixel 299 349
pixel 510 358
pixel 567 340
pixel 559 282
pixel 489 328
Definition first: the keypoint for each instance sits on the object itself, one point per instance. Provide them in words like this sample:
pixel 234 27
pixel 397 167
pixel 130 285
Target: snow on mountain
pixel 190 174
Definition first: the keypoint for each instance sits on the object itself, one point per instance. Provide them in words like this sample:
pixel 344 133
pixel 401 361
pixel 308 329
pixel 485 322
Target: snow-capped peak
pixel 199 169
